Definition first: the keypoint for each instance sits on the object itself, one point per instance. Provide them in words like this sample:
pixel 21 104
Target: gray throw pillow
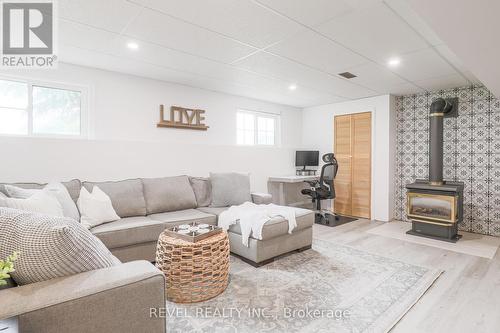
pixel 168 194
pixel 202 190
pixel 49 246
pixel 230 189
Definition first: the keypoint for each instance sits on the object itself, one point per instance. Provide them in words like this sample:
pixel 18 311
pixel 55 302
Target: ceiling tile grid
pixel 258 48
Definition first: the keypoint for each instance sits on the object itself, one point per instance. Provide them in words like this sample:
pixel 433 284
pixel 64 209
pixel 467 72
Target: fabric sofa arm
pixel 262 198
pixel 114 299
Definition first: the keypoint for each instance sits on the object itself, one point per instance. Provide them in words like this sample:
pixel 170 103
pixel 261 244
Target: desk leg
pixel 281 199
pixel 277 191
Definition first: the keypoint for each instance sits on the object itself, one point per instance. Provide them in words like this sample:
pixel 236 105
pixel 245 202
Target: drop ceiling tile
pixel 311 12
pixel 302 97
pixel 158 28
pixel 156 54
pixel 243 20
pixel 422 65
pixel 95 59
pixel 443 82
pixel 271 65
pixel 405 89
pixel 314 50
pixel 375 77
pixel 377 33
pixel 84 36
pixel 111 15
pixel 404 10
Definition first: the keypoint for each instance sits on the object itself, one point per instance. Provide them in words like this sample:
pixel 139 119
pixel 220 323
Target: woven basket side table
pixel 194 272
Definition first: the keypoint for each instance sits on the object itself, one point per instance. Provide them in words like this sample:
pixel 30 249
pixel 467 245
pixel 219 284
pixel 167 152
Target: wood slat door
pixel 343 154
pixel 353 152
pixel 361 164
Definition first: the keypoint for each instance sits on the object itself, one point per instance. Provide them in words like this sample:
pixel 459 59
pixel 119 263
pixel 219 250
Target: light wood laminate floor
pixel 466 298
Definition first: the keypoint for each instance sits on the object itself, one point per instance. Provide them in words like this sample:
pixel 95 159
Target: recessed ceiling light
pixel 292 87
pixel 394 62
pixel 132 45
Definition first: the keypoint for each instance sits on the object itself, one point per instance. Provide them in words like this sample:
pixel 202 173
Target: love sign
pixel 183 118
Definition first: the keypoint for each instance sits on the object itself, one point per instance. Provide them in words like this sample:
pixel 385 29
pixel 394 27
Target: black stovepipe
pixel 437 111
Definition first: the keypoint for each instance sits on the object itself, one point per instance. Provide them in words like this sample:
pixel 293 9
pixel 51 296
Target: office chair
pixel 323 188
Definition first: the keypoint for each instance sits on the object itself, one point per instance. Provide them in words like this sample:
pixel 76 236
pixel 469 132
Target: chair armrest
pixel 312 183
pixel 262 198
pixel 110 299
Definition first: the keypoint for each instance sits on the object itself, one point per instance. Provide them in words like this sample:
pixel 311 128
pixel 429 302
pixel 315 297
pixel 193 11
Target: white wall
pixel 125 141
pixel 318 133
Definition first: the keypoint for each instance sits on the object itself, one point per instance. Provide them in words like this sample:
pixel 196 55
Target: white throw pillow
pixel 58 190
pixel 19 192
pixel 40 202
pixel 95 208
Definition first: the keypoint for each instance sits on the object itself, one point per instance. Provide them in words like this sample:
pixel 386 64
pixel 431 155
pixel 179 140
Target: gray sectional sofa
pixel 119 298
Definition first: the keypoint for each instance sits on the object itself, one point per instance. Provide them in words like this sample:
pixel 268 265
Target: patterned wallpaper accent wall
pixel 471 152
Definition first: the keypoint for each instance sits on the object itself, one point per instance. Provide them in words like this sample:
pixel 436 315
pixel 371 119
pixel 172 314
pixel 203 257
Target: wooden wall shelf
pixel 178 125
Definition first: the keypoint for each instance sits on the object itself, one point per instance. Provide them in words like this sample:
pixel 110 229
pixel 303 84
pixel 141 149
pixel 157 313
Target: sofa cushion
pixel 168 194
pixel 202 190
pixel 126 196
pixel 278 226
pixel 229 189
pixel 213 210
pixel 183 217
pixel 73 187
pixel 49 246
pixel 129 231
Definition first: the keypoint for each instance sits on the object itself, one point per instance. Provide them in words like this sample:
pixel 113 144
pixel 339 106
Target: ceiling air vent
pixel 347 75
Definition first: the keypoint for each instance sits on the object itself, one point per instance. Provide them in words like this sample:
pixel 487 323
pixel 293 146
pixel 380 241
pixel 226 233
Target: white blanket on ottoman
pixel 252 218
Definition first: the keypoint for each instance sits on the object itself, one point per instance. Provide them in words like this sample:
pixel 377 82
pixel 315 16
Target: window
pixel 254 128
pixel 13 107
pixel 39 109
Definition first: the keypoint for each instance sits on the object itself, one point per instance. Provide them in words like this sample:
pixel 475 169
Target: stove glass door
pixel 432 207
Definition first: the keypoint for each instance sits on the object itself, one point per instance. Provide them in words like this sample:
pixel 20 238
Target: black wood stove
pixel 435 207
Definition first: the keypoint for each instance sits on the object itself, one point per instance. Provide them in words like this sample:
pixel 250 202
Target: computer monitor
pixel 306 158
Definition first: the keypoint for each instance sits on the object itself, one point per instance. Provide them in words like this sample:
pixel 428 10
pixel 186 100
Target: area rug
pixel 330 288
pixel 472 244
